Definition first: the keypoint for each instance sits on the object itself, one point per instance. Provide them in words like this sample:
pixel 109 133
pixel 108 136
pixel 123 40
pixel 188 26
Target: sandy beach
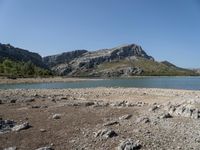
pixel 100 118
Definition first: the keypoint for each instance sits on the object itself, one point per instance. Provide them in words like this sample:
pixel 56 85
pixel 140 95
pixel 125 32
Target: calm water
pixel 190 83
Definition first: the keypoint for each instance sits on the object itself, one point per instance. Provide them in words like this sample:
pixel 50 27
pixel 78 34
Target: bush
pixel 22 69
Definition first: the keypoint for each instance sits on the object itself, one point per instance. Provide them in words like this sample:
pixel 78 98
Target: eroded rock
pixel 110 123
pixel 129 144
pixel 125 117
pixel 20 127
pixel 106 133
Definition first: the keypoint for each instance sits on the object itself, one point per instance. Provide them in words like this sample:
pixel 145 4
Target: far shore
pixel 4 80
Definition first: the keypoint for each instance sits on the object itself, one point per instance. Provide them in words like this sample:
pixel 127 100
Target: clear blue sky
pixel 166 29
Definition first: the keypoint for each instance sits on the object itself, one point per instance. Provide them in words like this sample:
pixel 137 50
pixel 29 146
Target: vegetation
pixel 15 69
pixel 149 67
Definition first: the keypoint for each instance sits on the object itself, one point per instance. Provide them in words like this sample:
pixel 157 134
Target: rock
pixel 56 116
pixel 88 104
pixel 184 110
pixel 129 144
pixel 155 107
pixel 35 106
pixel 43 130
pixel 110 123
pixel 106 133
pixel 44 148
pixel 143 120
pixel 195 114
pixel 6 125
pixel 10 148
pixel 1 102
pixel 165 116
pixel 20 127
pixel 125 117
pixel 29 100
pixel 13 101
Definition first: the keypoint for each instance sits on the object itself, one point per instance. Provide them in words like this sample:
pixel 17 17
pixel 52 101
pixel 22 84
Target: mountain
pixel 127 60
pixel 17 54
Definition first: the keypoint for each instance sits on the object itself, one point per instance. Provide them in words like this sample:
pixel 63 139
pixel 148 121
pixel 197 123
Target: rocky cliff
pixel 18 54
pixel 63 58
pixel 82 62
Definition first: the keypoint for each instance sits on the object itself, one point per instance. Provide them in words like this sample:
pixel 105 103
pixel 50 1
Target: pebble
pixel 43 130
pixel 56 116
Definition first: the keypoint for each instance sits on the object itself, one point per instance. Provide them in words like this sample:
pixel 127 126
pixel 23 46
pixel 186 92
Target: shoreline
pixel 44 80
pixel 84 118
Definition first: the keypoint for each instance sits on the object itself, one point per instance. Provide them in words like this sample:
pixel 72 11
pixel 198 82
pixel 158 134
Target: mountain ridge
pixel 125 60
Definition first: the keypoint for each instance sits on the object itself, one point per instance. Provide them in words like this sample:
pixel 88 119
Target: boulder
pixel 129 144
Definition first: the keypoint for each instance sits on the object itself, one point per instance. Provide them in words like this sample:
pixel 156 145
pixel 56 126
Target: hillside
pixel 10 52
pixel 123 61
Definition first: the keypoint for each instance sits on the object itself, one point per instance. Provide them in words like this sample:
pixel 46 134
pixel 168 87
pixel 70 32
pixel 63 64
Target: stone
pixel 43 130
pixel 110 123
pixel 44 148
pixel 143 120
pixel 155 107
pixel 165 116
pixel 10 148
pixel 6 125
pixel 106 133
pixel 125 117
pixel 56 116
pixel 13 101
pixel 129 144
pixel 88 104
pixel 35 106
pixel 20 127
pixel 195 114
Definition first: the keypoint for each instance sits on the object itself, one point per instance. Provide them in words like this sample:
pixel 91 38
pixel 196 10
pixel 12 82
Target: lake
pixel 189 83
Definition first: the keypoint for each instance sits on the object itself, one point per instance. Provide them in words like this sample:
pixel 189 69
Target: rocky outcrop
pixel 83 62
pixel 18 54
pixel 62 58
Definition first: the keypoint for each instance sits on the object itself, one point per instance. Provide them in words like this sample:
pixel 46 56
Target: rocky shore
pixel 99 118
pixel 4 80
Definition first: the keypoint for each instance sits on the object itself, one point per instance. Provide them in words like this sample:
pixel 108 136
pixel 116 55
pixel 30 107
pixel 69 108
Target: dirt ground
pixel 82 113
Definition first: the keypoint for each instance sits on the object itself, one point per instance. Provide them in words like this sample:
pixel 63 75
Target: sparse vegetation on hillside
pixel 149 67
pixel 11 68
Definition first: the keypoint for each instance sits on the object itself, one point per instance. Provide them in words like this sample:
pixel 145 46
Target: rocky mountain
pixel 62 58
pixel 18 54
pixel 128 60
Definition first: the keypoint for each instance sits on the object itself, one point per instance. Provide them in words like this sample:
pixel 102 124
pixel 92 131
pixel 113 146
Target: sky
pixel 166 29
